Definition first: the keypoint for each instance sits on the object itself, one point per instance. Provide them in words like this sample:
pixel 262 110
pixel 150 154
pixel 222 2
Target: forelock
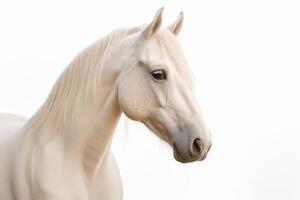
pixel 169 44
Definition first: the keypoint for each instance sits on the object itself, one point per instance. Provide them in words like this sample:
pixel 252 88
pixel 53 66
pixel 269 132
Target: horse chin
pixel 183 159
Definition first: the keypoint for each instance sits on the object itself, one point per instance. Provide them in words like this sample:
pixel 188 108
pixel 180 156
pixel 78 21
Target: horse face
pixel 155 88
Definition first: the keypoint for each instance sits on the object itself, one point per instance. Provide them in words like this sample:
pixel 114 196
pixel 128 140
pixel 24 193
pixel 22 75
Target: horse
pixel 63 152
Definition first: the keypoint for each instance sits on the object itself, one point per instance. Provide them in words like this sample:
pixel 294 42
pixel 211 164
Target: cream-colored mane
pixel 77 84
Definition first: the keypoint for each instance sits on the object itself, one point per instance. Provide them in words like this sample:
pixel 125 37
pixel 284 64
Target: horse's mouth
pixel 181 157
pixel 177 154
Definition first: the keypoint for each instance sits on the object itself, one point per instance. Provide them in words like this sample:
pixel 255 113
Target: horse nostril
pixel 196 147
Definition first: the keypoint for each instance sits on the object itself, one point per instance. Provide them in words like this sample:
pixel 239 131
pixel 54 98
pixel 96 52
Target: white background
pixel 245 61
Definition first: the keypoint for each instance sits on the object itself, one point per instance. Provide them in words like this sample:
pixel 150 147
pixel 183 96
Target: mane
pixel 77 84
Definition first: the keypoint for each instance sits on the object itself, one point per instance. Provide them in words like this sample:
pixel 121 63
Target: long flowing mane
pixel 77 84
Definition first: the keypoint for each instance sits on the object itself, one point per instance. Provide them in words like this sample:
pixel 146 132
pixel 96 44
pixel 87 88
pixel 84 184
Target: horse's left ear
pixel 176 26
pixel 154 25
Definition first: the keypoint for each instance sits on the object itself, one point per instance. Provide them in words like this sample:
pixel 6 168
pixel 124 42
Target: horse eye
pixel 159 74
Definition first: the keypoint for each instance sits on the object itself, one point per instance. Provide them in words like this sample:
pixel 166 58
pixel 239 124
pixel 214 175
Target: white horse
pixel 63 151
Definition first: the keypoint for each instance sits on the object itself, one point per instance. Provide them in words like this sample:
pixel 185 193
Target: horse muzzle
pixel 191 150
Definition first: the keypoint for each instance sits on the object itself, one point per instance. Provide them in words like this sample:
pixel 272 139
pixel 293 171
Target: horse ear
pixel 154 26
pixel 176 26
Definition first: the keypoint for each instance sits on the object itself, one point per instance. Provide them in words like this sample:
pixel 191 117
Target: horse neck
pixel 96 132
pixel 89 135
pixel 92 130
pixel 84 120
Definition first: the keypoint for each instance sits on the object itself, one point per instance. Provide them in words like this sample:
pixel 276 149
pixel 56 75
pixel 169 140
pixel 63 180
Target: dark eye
pixel 159 74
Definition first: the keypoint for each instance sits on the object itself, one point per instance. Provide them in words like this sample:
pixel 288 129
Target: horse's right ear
pixel 154 26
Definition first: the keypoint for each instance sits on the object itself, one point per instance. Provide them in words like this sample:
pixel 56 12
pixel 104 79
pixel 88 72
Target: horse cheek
pixel 133 100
